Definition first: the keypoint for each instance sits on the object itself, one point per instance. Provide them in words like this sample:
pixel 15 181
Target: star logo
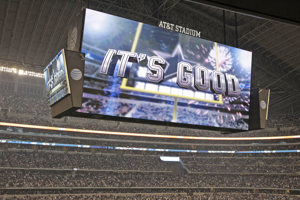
pixel 171 61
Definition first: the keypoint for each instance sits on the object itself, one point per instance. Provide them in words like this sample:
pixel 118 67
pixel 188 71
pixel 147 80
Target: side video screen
pixel 56 80
pixel 139 71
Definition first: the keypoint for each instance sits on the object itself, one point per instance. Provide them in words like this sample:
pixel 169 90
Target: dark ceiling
pixel 33 31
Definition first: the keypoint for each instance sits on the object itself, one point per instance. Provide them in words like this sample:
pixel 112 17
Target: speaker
pixel 259 108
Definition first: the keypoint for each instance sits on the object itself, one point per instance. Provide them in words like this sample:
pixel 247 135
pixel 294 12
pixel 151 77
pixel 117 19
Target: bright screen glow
pixel 167 76
pixel 56 79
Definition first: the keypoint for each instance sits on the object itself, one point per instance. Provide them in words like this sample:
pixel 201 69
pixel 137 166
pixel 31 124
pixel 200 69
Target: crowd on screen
pixel 210 118
pixel 154 112
pixel 105 106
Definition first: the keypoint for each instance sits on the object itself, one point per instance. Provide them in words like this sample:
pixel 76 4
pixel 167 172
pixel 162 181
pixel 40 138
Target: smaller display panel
pixel 56 79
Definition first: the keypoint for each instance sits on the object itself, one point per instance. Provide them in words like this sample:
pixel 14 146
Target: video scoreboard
pixel 146 73
pixel 56 79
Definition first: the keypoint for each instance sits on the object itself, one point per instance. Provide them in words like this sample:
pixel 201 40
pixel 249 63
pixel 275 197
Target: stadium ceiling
pixel 33 31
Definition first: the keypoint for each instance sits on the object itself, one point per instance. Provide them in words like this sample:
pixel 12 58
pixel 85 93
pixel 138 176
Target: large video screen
pixel 57 85
pixel 140 71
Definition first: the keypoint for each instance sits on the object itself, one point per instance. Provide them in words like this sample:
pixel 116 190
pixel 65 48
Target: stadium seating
pixel 65 172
